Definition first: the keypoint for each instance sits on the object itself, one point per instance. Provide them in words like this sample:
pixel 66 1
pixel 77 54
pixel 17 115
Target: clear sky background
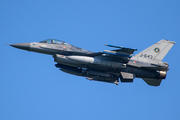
pixel 32 88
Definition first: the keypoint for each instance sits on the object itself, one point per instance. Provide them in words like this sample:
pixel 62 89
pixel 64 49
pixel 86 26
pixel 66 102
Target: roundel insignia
pixel 156 50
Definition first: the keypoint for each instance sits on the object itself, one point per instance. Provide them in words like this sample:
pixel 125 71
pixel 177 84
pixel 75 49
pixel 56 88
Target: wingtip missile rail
pixel 120 47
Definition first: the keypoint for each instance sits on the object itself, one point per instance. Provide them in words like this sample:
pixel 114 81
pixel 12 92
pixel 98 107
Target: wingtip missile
pixel 120 47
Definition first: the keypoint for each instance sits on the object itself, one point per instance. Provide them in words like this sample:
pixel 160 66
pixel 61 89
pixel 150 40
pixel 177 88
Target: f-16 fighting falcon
pixel 108 65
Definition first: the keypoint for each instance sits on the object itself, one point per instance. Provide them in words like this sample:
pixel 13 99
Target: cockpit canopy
pixel 54 41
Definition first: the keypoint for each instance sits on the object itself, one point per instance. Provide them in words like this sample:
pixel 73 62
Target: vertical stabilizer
pixel 155 52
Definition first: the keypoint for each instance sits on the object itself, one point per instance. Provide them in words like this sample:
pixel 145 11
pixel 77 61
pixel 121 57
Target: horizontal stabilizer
pixel 153 82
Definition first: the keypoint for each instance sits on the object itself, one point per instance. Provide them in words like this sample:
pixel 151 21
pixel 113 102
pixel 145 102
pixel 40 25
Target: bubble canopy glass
pixel 54 41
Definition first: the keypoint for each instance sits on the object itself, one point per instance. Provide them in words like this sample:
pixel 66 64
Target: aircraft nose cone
pixel 24 46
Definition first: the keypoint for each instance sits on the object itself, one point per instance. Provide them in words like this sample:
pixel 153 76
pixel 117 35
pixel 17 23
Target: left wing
pixel 123 49
pixel 122 54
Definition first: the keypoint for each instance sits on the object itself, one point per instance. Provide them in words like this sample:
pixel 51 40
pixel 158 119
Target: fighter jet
pixel 107 65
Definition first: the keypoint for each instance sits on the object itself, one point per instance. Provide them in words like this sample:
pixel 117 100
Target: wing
pixel 123 49
pixel 122 54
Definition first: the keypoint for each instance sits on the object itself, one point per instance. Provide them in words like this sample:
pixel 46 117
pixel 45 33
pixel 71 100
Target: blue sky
pixel 32 88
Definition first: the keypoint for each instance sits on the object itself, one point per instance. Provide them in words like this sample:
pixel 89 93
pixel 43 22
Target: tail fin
pixel 155 52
